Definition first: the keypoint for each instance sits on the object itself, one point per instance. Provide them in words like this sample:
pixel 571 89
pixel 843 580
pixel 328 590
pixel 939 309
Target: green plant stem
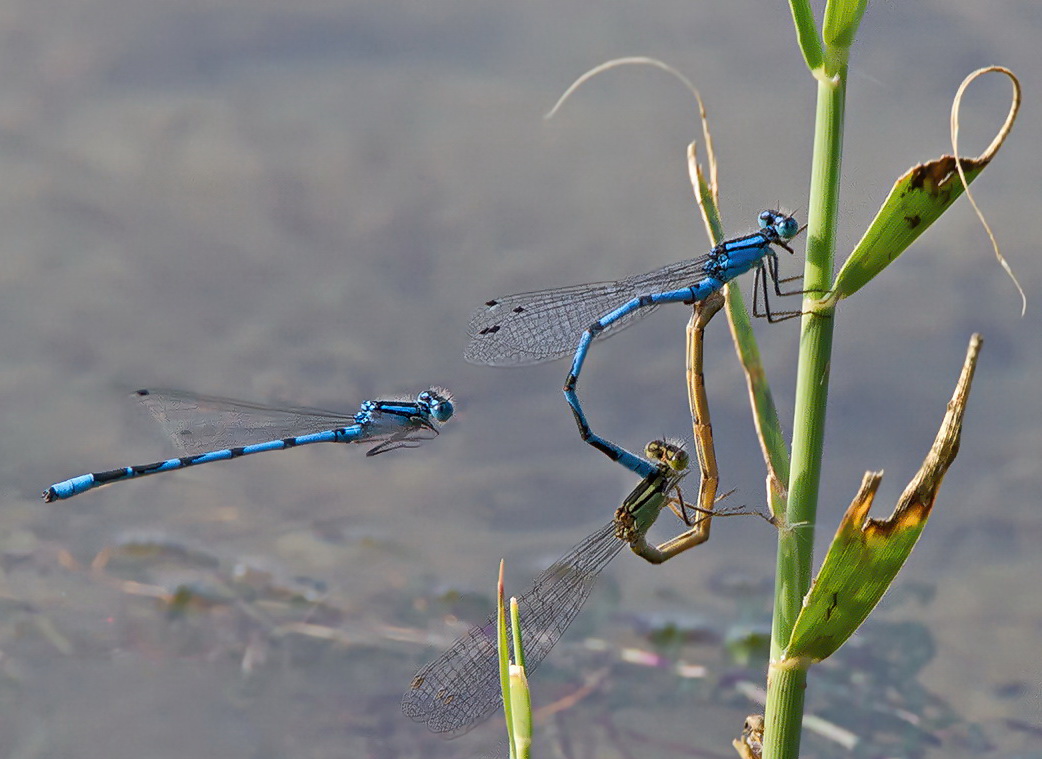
pixel 786 680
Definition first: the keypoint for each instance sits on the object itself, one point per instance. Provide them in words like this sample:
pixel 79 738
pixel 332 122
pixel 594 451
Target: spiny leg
pixel 772 264
pixel 769 270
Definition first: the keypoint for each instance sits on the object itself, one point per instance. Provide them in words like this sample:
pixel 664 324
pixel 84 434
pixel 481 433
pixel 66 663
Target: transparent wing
pixel 530 328
pixel 460 688
pixel 200 423
pixel 394 435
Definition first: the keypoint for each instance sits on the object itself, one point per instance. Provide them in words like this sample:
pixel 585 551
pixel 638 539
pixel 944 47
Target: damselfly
pixel 461 687
pixel 534 327
pixel 208 429
pixel 727 260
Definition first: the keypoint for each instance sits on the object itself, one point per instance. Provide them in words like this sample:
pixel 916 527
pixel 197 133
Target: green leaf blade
pixel 842 19
pixel 916 201
pixel 867 553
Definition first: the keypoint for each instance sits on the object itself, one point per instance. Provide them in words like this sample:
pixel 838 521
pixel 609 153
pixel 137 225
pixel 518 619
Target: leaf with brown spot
pixel 867 553
pixel 915 202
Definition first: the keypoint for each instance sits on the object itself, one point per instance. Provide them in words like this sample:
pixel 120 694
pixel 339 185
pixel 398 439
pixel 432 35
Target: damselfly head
pixel 784 225
pixel 439 403
pixel 668 452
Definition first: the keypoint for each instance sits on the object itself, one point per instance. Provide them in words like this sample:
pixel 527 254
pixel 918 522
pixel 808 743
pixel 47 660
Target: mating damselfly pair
pixel 461 688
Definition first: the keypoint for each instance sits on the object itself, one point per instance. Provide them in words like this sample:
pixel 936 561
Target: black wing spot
pixel 491 303
pixel 519 310
pixel 142 392
pixel 490 330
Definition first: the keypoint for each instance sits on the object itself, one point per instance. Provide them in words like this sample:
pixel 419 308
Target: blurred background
pixel 301 202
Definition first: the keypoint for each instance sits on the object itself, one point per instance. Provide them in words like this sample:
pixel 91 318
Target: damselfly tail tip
pixel 49 496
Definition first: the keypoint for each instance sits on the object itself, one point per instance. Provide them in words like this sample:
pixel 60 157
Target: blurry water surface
pixel 302 202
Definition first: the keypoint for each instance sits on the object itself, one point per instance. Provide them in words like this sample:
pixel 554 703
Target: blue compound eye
pixel 788 228
pixel 443 410
pixel 766 219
